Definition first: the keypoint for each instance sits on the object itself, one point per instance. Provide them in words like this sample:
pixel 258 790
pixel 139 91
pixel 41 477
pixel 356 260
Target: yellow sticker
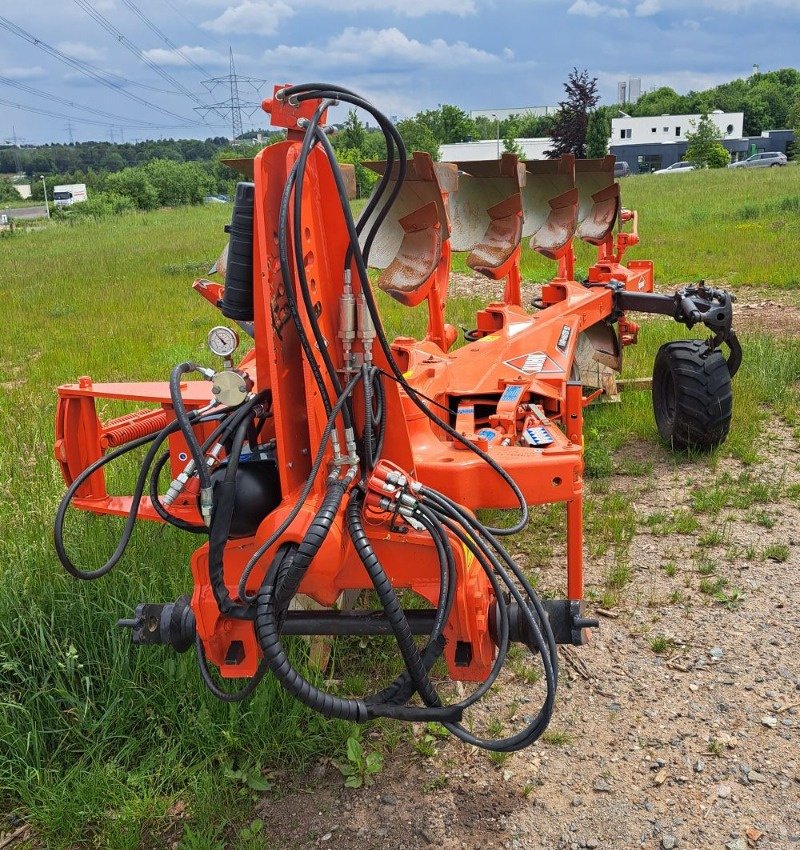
pixel 408 374
pixel 489 338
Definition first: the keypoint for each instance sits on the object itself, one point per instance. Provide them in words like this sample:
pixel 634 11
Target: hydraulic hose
pixel 58 526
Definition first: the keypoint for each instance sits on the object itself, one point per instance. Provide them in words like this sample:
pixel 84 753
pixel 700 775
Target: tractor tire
pixel 692 396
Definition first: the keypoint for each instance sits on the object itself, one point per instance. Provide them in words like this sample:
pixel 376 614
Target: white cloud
pixel 34 72
pixel 81 50
pixel 647 8
pixel 593 9
pixel 358 47
pixel 409 8
pixel 252 17
pixel 180 57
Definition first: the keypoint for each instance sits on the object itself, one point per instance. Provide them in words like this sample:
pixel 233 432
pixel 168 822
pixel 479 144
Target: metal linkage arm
pixel 690 306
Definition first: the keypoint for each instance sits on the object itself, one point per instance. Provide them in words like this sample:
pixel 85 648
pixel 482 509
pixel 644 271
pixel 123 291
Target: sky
pixel 140 64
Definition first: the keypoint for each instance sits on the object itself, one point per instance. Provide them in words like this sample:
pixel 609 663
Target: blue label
pixel 488 433
pixel 511 393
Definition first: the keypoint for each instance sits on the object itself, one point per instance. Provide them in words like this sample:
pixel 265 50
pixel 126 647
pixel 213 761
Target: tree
pixel 418 136
pixel 134 184
pixel 352 133
pixel 705 149
pixel 7 192
pixel 572 121
pixel 598 133
pixel 793 121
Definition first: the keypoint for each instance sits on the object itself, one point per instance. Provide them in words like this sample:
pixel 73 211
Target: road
pixel 25 212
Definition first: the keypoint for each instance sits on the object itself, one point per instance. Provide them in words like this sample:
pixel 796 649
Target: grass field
pixel 104 746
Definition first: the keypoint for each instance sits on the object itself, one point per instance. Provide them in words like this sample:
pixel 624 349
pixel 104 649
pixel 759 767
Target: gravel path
pixel 696 745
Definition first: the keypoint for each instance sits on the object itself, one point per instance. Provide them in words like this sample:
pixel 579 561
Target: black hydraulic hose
pixel 403 688
pixel 391 604
pixel 385 345
pixel 309 483
pixel 309 141
pixel 208 681
pixel 288 582
pixel 230 420
pixel 288 285
pixel 267 631
pixel 219 532
pixel 58 525
pixel 158 505
pixel 182 418
pixel 327 704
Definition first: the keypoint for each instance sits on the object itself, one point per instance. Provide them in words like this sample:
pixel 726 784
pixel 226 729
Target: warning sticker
pixel 537 362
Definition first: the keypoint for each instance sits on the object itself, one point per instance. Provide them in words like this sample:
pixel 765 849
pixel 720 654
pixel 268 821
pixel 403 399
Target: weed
pixel 670 568
pixel 778 552
pixel 764 519
pixel 715 747
pixel 677 522
pixel 360 766
pixel 706 567
pixel 498 759
pixel 556 737
pixel 661 644
pixel 712 587
pixel 426 746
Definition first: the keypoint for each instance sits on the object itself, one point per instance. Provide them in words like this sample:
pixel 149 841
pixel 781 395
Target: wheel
pixel 692 396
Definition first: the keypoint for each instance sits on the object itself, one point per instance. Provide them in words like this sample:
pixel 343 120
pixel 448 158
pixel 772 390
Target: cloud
pixel 81 50
pixel 179 58
pixel 593 9
pixel 647 8
pixel 358 47
pixel 34 72
pixel 409 8
pixel 252 17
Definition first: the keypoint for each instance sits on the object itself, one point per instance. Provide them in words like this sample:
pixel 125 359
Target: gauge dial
pixel 223 341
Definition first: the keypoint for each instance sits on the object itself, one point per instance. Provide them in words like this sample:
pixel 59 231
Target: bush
pixel 177 183
pixel 134 184
pixel 8 193
pixel 100 206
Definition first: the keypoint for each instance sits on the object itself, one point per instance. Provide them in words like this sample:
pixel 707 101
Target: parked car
pixel 770 159
pixel 676 168
pixel 621 168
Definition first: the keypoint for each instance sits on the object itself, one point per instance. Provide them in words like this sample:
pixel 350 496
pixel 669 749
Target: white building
pixel 492 149
pixel 668 129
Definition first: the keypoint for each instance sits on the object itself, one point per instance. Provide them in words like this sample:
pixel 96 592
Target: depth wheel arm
pixel 690 306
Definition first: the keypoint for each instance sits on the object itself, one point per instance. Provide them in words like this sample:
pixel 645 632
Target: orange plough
pixel 330 460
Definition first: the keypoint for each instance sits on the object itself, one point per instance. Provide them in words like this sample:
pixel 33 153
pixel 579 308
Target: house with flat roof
pixel 651 142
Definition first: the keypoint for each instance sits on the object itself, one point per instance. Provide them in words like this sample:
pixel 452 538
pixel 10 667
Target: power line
pixel 234 105
pixel 136 51
pixel 64 102
pixel 153 28
pixel 60 115
pixel 88 70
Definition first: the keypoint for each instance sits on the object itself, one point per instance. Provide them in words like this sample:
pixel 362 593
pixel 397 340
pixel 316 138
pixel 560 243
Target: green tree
pixel 8 194
pixel 793 122
pixel 177 182
pixel 353 133
pixel 598 133
pixel 418 136
pixel 134 184
pixel 572 121
pixel 705 149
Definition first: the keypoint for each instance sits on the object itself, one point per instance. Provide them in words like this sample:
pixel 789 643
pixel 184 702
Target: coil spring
pixel 131 426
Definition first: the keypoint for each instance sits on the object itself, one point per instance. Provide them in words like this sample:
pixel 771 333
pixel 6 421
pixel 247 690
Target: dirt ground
pixel 696 745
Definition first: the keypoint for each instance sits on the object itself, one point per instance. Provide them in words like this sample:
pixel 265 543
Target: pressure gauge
pixel 223 341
